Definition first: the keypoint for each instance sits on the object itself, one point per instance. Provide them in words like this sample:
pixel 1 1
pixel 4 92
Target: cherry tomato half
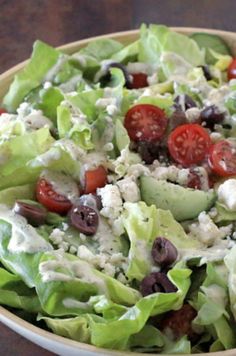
pixel 95 178
pixel 189 144
pixel 222 158
pixel 139 80
pixel 2 111
pixel 231 71
pixel 194 180
pixel 50 199
pixel 145 122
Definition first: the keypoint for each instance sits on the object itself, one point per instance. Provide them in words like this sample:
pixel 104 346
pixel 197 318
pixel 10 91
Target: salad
pixel 118 193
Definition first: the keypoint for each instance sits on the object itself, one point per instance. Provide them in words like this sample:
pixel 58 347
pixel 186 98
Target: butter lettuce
pixel 32 75
pixel 143 224
pixel 157 40
pixel 212 304
pixel 121 327
pixel 18 151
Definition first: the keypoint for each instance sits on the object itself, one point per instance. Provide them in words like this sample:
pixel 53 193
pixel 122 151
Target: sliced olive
pixel 107 77
pixel 206 72
pixel 212 115
pixel 91 200
pixel 84 218
pixel 164 252
pixel 35 215
pixel 156 282
pixel 184 101
pixel 177 118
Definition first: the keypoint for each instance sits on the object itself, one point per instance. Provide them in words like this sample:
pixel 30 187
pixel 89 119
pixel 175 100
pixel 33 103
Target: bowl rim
pixel 24 327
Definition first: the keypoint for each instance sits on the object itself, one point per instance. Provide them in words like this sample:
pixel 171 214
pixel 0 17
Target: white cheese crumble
pixel 227 194
pixel 129 190
pixel 111 201
pixel 207 231
pixel 192 114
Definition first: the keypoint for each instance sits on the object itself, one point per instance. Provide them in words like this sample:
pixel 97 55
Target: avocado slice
pixel 209 41
pixel 184 203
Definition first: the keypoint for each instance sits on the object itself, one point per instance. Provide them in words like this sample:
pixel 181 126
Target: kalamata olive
pixel 84 218
pixel 177 118
pixel 211 115
pixel 185 102
pixel 164 252
pixel 156 282
pixel 206 72
pixel 91 200
pixel 107 77
pixel 35 215
pixel 179 322
pixel 150 151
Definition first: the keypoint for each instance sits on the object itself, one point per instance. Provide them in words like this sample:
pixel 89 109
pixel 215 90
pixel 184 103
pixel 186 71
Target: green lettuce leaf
pixel 10 195
pixel 19 151
pixel 211 304
pixel 14 293
pixel 143 224
pixel 102 48
pixel 42 59
pixel 157 40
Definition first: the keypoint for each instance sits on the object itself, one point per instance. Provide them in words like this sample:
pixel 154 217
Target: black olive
pixel 211 115
pixel 91 200
pixel 206 72
pixel 149 151
pixel 187 101
pixel 35 215
pixel 107 77
pixel 176 119
pixel 164 252
pixel 84 218
pixel 156 282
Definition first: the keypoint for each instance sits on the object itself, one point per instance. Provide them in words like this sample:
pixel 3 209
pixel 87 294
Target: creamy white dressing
pixel 62 184
pixel 75 269
pixel 69 146
pixel 47 158
pixel 215 253
pixel 24 237
pixel 62 59
pixel 216 293
pixel 73 303
pixel 70 85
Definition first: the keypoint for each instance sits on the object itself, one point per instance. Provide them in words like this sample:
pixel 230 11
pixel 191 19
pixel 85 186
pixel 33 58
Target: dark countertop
pixel 61 21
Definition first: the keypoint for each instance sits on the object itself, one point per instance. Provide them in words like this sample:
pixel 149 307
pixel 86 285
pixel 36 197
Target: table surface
pixel 61 21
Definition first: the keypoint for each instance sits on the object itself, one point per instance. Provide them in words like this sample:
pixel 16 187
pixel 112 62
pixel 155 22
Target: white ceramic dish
pixel 47 340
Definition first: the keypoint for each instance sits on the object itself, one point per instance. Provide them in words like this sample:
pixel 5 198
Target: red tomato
pixel 2 111
pixel 95 178
pixel 145 122
pixel 231 71
pixel 139 80
pixel 222 158
pixel 50 199
pixel 189 144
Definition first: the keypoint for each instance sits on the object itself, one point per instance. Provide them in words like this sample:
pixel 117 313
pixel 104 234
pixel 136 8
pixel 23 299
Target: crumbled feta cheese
pixel 108 147
pixel 192 114
pixel 57 236
pixel 137 170
pixel 73 250
pixel 137 67
pixel 104 102
pixel 111 201
pixel 129 190
pixel 171 173
pixel 215 137
pixel 118 227
pixel 227 194
pixel 112 109
pixel 206 230
pixel 47 85
pixel 64 245
pixel 84 253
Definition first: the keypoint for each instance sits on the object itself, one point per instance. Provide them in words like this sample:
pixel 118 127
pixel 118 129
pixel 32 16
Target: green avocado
pixel 184 203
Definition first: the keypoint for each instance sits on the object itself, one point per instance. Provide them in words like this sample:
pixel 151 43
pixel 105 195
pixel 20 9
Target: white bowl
pixel 45 339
